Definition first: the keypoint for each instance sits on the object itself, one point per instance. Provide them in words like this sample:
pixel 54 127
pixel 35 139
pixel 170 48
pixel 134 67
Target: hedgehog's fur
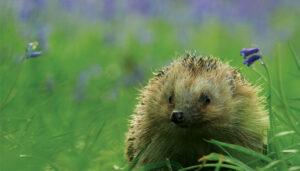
pixel 235 114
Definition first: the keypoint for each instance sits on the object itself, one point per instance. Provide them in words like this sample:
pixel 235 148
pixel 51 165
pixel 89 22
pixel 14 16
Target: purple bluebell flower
pixel 248 52
pixel 33 54
pixel 252 59
pixel 252 54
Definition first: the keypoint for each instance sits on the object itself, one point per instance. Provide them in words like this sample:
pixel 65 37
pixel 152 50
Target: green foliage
pixel 46 125
pixel 241 149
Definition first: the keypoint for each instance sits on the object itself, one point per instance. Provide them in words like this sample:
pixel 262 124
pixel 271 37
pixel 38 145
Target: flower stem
pixel 269 98
pixel 272 146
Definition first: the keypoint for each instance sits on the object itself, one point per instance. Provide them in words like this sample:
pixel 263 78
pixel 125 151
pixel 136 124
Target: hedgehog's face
pixel 196 100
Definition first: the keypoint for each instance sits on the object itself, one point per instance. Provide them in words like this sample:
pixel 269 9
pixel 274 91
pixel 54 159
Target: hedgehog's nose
pixel 177 117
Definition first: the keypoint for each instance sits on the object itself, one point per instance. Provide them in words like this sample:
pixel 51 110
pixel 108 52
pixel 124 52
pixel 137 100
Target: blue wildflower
pixel 30 50
pixel 34 54
pixel 248 52
pixel 252 59
pixel 252 53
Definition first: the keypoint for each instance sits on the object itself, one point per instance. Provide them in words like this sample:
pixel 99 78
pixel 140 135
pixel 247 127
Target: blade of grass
pixel 291 107
pixel 274 146
pixel 297 60
pixel 10 91
pixel 219 163
pixel 98 134
pixel 92 139
pixel 224 166
pixel 280 134
pixel 228 166
pixel 241 149
pixel 276 162
pixel 259 160
pixel 294 168
pixel 169 164
pixel 60 135
pixel 51 163
pixel 286 112
pixel 236 164
pixel 224 150
pixel 279 117
pixel 269 100
pixel 136 159
pixel 29 122
pixel 232 160
pixel 295 98
pixel 260 74
pixel 294 75
pixel 277 95
pixel 272 164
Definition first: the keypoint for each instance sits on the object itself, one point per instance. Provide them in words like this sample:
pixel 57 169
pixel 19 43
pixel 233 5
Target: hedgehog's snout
pixel 177 117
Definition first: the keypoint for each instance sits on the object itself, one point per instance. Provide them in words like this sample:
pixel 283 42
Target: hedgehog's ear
pixel 231 77
pixel 231 83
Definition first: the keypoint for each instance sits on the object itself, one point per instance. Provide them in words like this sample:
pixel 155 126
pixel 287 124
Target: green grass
pixel 43 127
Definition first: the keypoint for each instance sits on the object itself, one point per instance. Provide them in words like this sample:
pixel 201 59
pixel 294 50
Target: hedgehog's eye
pixel 204 99
pixel 171 99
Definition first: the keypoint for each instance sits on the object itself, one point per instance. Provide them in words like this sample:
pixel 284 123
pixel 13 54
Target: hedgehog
pixel 192 100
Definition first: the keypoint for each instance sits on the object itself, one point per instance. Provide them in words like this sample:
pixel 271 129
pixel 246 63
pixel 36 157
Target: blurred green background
pixel 69 108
